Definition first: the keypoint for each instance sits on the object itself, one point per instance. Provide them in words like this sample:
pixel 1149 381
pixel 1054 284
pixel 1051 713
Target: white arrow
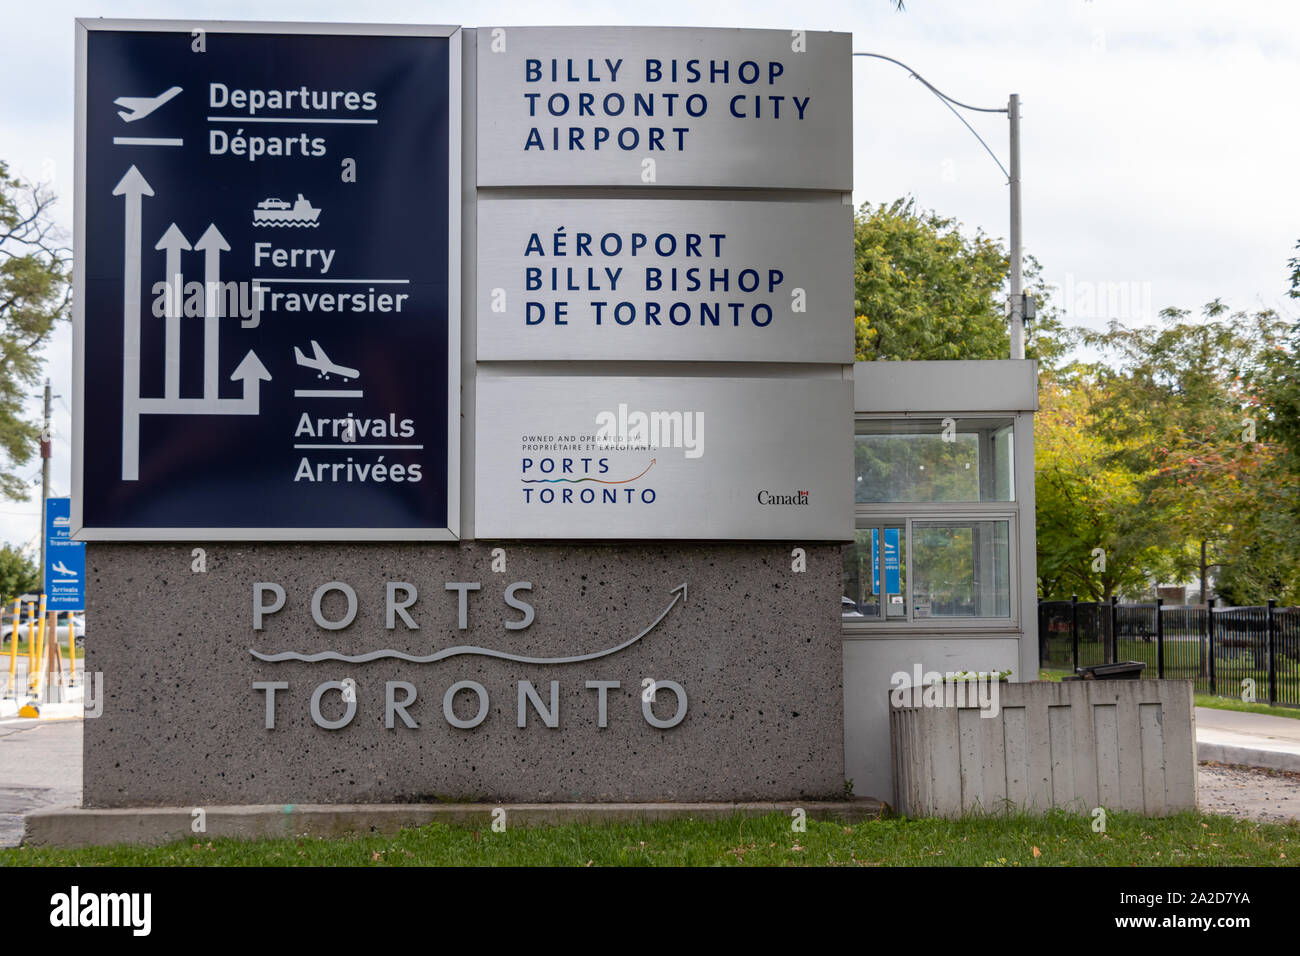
pixel 212 243
pixel 251 370
pixel 173 241
pixel 134 187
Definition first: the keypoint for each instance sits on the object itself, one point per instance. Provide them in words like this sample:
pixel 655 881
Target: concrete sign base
pixel 400 673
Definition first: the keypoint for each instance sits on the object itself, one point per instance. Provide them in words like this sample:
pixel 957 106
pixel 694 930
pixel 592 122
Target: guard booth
pixel 941 573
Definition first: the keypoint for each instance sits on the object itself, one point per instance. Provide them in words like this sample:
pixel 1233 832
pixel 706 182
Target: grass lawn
pixel 24 649
pixel 1229 703
pixel 1058 839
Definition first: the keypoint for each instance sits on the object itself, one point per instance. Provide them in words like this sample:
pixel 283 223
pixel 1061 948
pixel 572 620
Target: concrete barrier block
pixel 1121 745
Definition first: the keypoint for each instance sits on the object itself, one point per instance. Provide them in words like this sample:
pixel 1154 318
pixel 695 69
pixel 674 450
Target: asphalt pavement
pixel 1256 740
pixel 40 766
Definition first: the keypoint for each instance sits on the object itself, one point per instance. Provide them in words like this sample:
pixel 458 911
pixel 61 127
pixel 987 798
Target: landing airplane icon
pixel 58 566
pixel 321 363
pixel 141 106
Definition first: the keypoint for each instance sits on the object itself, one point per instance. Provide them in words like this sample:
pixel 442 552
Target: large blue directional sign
pixel 267 288
pixel 65 560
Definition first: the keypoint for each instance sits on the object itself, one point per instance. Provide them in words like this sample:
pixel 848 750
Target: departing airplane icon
pixel 59 566
pixel 141 106
pixel 321 363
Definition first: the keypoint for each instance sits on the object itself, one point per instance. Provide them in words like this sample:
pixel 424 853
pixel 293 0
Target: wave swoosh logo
pixel 679 594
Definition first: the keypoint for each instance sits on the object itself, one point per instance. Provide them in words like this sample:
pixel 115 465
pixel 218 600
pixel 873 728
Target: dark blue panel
pixel 204 461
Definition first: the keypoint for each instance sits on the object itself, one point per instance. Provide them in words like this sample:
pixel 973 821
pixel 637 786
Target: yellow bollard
pixel 13 649
pixel 53 658
pixel 31 641
pixel 72 650
pixel 38 659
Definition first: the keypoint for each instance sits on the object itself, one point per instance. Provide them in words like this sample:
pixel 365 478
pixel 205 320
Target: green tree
pixel 1267 565
pixel 1094 539
pixel 18 574
pixel 1277 386
pixel 925 291
pixel 34 294
pixel 1174 408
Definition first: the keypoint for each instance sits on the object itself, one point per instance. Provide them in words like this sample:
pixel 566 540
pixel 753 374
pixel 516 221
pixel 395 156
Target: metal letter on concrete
pixel 393 706
pixel 348 714
pixel 319 596
pixel 449 698
pixel 270 687
pixel 602 687
pixel 647 705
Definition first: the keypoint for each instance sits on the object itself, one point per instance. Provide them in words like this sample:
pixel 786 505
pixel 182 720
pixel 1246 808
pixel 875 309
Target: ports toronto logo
pixel 625 446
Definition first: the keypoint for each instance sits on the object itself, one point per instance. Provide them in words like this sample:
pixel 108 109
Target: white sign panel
pixel 610 106
pixel 664 280
pixel 697 458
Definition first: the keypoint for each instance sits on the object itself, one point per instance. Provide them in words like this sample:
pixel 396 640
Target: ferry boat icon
pixel 277 212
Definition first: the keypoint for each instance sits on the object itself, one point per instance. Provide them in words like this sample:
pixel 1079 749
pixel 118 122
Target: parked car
pixel 24 622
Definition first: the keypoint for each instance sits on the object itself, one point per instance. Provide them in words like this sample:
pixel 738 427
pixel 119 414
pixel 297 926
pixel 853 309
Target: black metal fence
pixel 1250 653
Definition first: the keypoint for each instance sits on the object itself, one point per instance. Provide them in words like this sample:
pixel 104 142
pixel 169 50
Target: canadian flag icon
pixel 803 492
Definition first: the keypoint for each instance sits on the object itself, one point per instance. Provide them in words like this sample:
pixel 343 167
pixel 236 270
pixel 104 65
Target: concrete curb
pixel 1248 757
pixel 81 827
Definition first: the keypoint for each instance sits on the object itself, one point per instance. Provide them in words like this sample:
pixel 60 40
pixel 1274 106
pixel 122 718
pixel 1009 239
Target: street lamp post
pixel 1019 306
pixel 1017 298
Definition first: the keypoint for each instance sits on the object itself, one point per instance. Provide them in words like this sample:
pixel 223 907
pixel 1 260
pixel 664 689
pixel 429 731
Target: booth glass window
pixel 961 569
pixel 950 568
pixel 934 460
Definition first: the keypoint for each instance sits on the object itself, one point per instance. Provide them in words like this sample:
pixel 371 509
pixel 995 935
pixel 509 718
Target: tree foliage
pixel 924 291
pixel 1276 382
pixel 1267 564
pixel 18 574
pixel 1155 454
pixel 34 294
pixel 1093 538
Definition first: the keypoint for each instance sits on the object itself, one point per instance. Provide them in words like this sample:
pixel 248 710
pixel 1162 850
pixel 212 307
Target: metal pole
pixel 1042 644
pixel 1160 639
pixel 45 476
pixel 1074 628
pixel 1272 654
pixel 1209 629
pixel 1017 317
pixel 1114 628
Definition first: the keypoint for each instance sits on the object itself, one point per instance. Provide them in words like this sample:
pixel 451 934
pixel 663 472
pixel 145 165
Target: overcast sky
pixel 1159 136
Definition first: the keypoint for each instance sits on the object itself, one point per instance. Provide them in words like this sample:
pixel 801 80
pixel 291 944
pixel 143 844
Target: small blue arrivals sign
pixel 891 561
pixel 65 560
pixel 267 327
